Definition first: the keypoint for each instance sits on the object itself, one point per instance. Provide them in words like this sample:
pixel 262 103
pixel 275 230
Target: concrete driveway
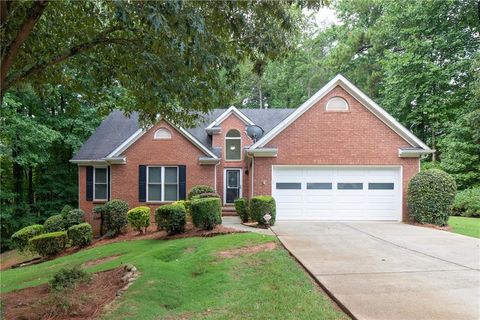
pixel 381 270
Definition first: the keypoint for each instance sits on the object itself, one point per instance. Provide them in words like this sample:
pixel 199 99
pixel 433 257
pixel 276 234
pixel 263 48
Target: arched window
pixel 233 145
pixel 337 104
pixel 162 134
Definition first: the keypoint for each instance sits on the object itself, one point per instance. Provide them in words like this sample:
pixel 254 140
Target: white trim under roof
pixel 413 153
pixel 357 94
pixel 225 115
pixel 140 132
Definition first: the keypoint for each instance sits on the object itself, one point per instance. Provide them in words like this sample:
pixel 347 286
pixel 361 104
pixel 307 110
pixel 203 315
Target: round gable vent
pixel 337 104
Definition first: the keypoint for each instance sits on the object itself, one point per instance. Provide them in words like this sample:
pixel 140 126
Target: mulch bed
pixel 84 302
pixel 432 226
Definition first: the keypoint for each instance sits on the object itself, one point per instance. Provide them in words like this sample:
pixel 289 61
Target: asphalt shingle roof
pixel 117 128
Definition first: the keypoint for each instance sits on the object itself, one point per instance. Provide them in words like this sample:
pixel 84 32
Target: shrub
pixel 49 244
pixel 241 206
pixel 467 203
pixel 80 235
pixel 116 217
pixel 21 237
pixel 54 223
pixel 206 213
pixel 101 212
pixel 171 217
pixel 139 218
pixel 66 209
pixel 196 190
pixel 430 196
pixel 68 278
pixel 260 206
pixel 206 195
pixel 73 217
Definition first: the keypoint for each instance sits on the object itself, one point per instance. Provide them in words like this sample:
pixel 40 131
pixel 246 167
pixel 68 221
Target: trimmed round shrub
pixel 196 190
pixel 74 217
pixel 206 213
pixel 467 203
pixel 171 218
pixel 139 218
pixel 100 212
pixel 54 223
pixel 430 197
pixel 260 206
pixel 116 217
pixel 21 237
pixel 241 206
pixel 66 209
pixel 80 235
pixel 49 244
pixel 206 195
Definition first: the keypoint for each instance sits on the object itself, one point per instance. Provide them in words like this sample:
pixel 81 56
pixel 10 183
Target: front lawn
pixel 188 278
pixel 466 226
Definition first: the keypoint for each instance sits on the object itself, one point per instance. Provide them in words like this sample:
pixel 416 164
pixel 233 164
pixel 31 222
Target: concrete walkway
pixel 380 270
pixel 235 222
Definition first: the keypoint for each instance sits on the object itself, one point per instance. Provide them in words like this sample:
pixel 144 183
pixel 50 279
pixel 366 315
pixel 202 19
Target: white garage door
pixel 337 193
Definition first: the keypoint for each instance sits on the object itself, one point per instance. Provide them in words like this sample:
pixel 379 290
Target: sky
pixel 324 17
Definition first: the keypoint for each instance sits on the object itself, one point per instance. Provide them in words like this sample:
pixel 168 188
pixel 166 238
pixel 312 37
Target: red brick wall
pixel 318 137
pixel 147 151
pixel 232 122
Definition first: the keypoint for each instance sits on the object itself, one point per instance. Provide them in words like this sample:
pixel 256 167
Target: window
pixel 337 104
pixel 350 186
pixel 381 186
pixel 162 184
pixel 100 178
pixel 162 134
pixel 289 185
pixel 319 186
pixel 233 145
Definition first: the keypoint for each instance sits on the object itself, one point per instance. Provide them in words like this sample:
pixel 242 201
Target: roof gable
pixel 226 114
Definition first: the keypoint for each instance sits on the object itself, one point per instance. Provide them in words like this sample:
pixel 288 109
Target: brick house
pixel 338 156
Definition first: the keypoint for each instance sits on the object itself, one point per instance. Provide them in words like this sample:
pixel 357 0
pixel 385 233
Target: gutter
pixel 116 160
pixel 208 160
pixel 413 153
pixel 263 152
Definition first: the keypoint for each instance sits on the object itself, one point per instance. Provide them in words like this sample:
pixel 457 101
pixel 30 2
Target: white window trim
pixel 233 138
pixel 162 129
pixel 162 183
pixel 94 183
pixel 336 110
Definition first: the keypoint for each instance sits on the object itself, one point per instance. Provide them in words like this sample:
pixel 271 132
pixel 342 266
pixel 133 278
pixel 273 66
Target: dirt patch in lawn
pixel 246 250
pixel 84 302
pixel 101 260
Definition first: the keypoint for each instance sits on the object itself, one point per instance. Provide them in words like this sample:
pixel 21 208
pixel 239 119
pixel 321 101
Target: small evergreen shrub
pixel 430 197
pixel 73 217
pixel 241 206
pixel 68 278
pixel 66 209
pixel 260 206
pixel 116 217
pixel 101 212
pixel 467 203
pixel 21 237
pixel 206 195
pixel 196 190
pixel 54 223
pixel 80 235
pixel 206 213
pixel 171 218
pixel 49 244
pixel 139 218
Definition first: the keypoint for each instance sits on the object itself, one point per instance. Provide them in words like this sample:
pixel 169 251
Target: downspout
pixel 215 176
pixel 253 174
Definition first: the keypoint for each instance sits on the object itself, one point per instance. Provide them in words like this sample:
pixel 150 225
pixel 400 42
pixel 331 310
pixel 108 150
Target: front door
pixel 232 185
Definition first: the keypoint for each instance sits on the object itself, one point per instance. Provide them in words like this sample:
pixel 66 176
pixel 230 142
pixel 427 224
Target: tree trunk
pixel 17 171
pixel 30 186
pixel 260 95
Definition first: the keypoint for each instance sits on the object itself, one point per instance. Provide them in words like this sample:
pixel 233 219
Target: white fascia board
pixel 208 161
pixel 87 162
pixel 360 96
pixel 127 143
pixel 406 153
pixel 195 141
pixel 263 152
pixel 225 115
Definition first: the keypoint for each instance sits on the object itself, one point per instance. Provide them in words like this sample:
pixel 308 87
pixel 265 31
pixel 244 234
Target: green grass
pixel 186 279
pixel 466 226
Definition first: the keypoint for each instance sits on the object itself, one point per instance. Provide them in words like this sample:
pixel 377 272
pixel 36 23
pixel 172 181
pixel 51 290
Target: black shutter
pixel 108 183
pixel 182 183
pixel 89 191
pixel 142 183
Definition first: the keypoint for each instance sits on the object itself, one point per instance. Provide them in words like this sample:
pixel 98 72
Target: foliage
pixel 206 213
pixel 80 235
pixel 205 195
pixel 430 197
pixel 21 237
pixel 54 223
pixel 100 212
pixel 74 217
pixel 116 217
pixel 49 244
pixel 171 217
pixel 262 205
pixel 242 208
pixel 139 218
pixel 199 189
pixel 467 203
pixel 68 278
pixel 465 225
pixel 66 210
